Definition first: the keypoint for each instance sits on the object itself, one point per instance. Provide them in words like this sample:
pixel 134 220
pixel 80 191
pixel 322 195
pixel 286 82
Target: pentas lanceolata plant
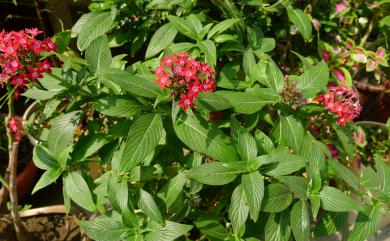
pixel 343 102
pixel 185 78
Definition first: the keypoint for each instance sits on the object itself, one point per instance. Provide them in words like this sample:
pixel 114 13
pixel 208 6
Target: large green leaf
pixel 300 221
pixel 144 135
pixel 147 204
pixel 212 228
pixel 247 103
pixel 39 94
pixel 238 211
pixel 47 178
pixel 218 173
pixel 105 229
pixel 277 197
pixel 221 27
pixel 313 80
pixel 281 163
pixel 205 138
pixel 370 179
pixel 118 106
pixel 161 39
pixel 278 227
pixel 330 222
pixel 183 26
pixel 98 54
pixel 246 146
pixel 274 77
pixel 210 51
pixel 93 28
pixel 335 200
pixel 301 21
pixel 212 101
pixel 263 142
pixel 288 130
pixel 62 131
pixel 89 145
pixel 248 62
pixel 345 173
pixel 367 223
pixel 131 83
pixel 78 190
pixel 383 171
pixel 253 184
pixel 174 188
pixel 170 232
pixel 43 159
pixel 297 185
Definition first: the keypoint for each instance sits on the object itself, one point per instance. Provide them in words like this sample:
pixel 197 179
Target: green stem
pixel 369 30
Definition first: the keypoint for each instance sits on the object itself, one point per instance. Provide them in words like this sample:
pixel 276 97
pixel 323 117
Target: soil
pixel 54 227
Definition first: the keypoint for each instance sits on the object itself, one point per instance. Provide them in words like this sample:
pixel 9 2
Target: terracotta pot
pixel 374 100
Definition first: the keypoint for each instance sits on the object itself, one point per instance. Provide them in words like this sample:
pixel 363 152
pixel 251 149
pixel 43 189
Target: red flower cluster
pixel 19 57
pixel 185 77
pixel 342 101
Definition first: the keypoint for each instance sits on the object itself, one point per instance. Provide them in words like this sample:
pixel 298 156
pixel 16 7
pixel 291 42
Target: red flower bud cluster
pixel 185 77
pixel 290 94
pixel 20 57
pixel 15 128
pixel 342 101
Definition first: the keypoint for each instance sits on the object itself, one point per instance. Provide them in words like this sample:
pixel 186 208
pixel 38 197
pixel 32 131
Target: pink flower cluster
pixel 185 77
pixel 20 57
pixel 342 101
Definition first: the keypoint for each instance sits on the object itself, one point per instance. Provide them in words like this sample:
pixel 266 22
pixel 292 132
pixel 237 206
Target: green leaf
pixel 117 106
pixel 221 27
pixel 288 130
pixel 78 190
pixel 161 39
pixel 267 45
pixel 93 28
pixel 246 103
pixel 118 192
pixel 274 77
pixel 383 171
pixel 313 80
pixel 330 222
pixel 183 27
pixel 174 189
pixel 370 179
pixel 39 94
pixel 297 185
pixel 248 62
pixel 62 131
pixel 44 159
pixel 238 211
pixel 47 178
pixel 263 142
pixel 210 51
pixel 98 54
pixel 276 198
pixel 300 221
pixel 278 227
pixel 131 83
pixel 218 173
pixel 212 101
pixel 335 200
pixel 345 136
pixel 147 204
pixel 367 223
pixel 301 21
pixel 205 138
pixel 281 163
pixel 246 146
pixel 89 145
pixel 105 229
pixel 144 135
pixel 345 173
pixel 170 232
pixel 212 228
pixel 253 184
